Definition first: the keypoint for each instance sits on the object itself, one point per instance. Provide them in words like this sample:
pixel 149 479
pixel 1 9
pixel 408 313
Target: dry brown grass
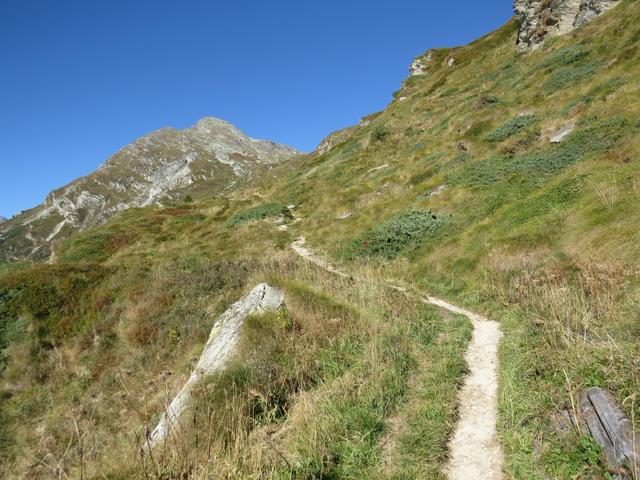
pixel 569 300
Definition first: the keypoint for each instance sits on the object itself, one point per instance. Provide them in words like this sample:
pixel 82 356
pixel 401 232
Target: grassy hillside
pixel 454 189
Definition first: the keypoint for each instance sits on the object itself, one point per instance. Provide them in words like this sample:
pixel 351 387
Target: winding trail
pixel 474 450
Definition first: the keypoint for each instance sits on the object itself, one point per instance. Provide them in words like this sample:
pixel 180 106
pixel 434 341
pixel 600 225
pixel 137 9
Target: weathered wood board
pixel 612 430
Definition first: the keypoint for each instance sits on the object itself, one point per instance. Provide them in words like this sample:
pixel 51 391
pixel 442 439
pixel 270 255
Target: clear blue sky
pixel 80 79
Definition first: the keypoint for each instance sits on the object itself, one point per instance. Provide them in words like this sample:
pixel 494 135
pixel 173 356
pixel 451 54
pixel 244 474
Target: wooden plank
pixel 597 431
pixel 616 423
pixel 611 429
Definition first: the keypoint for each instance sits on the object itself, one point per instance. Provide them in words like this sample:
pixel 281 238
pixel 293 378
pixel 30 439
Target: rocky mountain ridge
pixel 537 21
pixel 163 166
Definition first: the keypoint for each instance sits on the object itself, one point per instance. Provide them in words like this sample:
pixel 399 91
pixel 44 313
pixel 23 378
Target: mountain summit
pixel 213 156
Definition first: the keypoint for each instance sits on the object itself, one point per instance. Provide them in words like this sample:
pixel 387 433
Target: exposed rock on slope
pixel 333 139
pixel 431 60
pixel 420 65
pixel 219 347
pixel 539 20
pixel 2 219
pixel 213 155
pixel 340 136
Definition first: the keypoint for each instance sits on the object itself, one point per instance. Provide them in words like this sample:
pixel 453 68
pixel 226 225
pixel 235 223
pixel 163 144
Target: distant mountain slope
pixel 213 156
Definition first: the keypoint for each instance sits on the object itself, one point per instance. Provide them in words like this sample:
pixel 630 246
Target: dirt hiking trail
pixel 474 451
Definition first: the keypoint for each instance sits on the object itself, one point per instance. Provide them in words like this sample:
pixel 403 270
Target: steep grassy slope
pixel 97 344
pixel 542 235
pixel 454 189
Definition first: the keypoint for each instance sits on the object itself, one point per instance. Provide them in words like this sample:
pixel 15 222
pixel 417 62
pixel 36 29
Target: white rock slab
pixel 561 134
pixel 219 348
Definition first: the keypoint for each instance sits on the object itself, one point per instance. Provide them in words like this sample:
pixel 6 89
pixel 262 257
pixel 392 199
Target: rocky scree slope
pixel 211 157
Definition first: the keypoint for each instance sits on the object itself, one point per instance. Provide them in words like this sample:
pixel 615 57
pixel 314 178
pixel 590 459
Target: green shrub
pixel 564 56
pixel 346 150
pixel 420 145
pixel 488 101
pixel 379 134
pixel 534 168
pixel 512 127
pixel 100 243
pixel 569 76
pixel 401 231
pixel 418 178
pixel 414 80
pixel 259 213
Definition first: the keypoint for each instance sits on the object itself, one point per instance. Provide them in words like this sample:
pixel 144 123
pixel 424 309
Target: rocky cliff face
pixel 212 156
pixel 541 19
pixel 420 64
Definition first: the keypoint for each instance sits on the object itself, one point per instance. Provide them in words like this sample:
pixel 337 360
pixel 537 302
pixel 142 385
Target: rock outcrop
pixel 167 164
pixel 562 133
pixel 539 20
pixel 333 139
pixel 219 348
pixel 339 136
pixel 420 65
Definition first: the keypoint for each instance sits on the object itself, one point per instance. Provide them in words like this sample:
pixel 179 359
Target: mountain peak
pixel 213 156
pixel 214 122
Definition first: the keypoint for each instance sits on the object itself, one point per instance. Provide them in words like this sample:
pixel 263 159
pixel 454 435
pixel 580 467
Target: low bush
pixel 436 85
pixel 55 296
pixel 564 56
pixel 379 134
pixel 488 101
pixel 99 244
pixel 569 76
pixel 259 213
pixel 534 168
pixel 388 239
pixel 512 127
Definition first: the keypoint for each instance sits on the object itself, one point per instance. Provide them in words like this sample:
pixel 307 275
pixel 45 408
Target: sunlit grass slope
pixel 456 189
